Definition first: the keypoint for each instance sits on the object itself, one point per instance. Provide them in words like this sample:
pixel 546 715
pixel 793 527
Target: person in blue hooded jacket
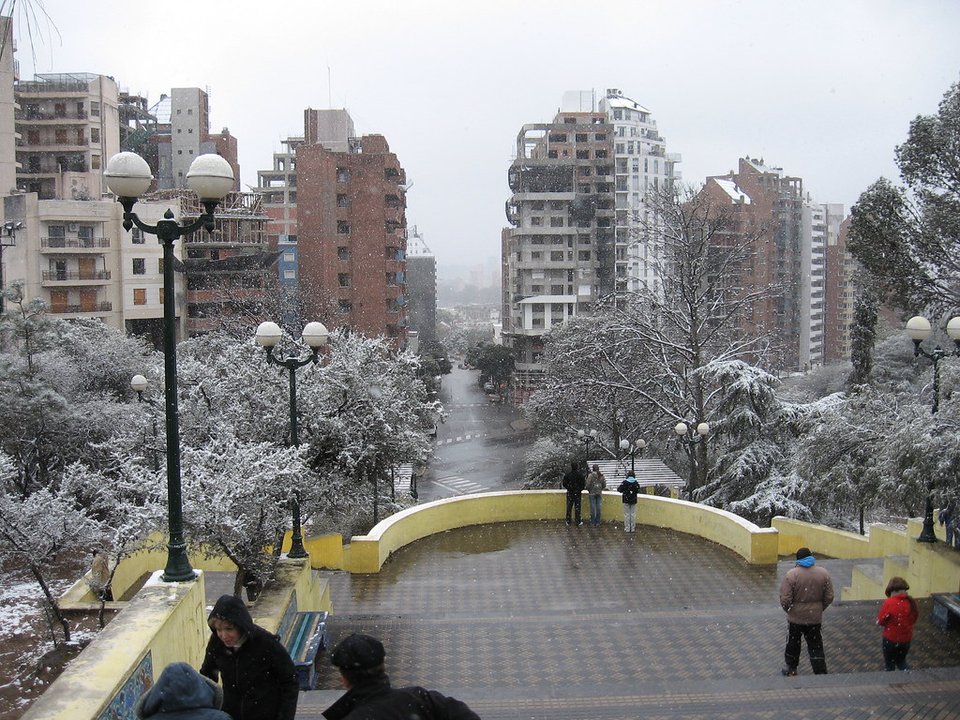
pixel 629 489
pixel 181 693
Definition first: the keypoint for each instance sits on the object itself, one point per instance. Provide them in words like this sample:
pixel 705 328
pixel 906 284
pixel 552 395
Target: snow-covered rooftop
pixel 736 193
pixel 624 102
pixel 549 299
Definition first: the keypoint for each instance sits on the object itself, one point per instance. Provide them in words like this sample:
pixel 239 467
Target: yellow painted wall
pixel 367 553
pixel 165 619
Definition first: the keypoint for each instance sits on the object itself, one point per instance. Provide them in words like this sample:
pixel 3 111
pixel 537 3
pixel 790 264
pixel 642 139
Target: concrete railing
pixel 367 553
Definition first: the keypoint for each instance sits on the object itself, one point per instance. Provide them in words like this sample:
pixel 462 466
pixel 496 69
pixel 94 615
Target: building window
pixel 161 296
pixel 159 266
pixel 94 109
pixel 583 154
pixel 60 136
pixel 343 253
pixel 136 236
pixel 85 232
pixel 583 255
pixel 60 110
pixel 343 279
pixel 289 274
pixel 139 266
pixel 556 255
pixel 581 137
pixel 139 296
pixel 346 306
pixel 343 201
pixel 343 227
pixel 556 222
pixel 33 137
pixel 94 162
pixel 536 255
pixel 536 221
pixel 556 289
pixel 343 174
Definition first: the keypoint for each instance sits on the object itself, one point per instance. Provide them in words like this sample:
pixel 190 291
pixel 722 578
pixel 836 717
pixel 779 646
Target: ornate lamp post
pixel 690 435
pixel 314 337
pixel 586 437
pixel 918 328
pixel 633 449
pixel 211 178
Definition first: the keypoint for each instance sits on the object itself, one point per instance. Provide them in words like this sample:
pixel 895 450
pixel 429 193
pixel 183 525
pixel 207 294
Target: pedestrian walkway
pixel 541 620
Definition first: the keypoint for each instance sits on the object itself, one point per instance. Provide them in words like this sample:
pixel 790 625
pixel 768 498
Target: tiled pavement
pixel 542 620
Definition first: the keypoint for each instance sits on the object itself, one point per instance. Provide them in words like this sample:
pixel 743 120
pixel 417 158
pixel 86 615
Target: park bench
pixel 946 610
pixel 304 635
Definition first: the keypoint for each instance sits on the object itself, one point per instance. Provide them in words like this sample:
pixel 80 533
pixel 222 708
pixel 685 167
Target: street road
pixel 477 448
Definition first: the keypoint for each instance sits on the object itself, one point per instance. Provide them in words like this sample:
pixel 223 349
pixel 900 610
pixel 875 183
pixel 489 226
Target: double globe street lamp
pixel 211 178
pixel 918 328
pixel 634 449
pixel 586 437
pixel 690 436
pixel 314 336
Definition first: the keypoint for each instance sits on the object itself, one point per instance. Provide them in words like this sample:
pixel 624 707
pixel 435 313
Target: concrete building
pixel 559 254
pixel 820 230
pixel 351 236
pixel 421 288
pixel 642 167
pixel 69 127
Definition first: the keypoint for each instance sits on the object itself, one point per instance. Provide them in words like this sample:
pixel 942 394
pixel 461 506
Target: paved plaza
pixel 542 620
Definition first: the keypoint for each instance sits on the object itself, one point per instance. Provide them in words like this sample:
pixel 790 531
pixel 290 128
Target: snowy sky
pixel 822 88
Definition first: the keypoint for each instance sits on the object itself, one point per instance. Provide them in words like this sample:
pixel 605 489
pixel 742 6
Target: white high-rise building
pixel 642 166
pixel 820 229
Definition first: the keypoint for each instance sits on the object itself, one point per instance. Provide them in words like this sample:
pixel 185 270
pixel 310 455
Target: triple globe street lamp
pixel 918 328
pixel 314 337
pixel 211 178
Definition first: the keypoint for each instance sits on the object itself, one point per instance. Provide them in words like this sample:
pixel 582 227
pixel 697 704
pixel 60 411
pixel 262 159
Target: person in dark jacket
pixel 574 482
pixel 628 490
pixel 258 676
pixel 181 693
pixel 359 658
pixel 806 591
pixel 897 616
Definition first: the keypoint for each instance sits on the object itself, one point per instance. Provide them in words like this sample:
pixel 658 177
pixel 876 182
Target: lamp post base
pixel 927 534
pixel 178 566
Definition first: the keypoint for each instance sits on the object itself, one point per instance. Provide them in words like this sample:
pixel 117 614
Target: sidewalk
pixel 541 620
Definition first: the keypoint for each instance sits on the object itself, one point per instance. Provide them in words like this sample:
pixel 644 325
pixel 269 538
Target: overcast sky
pixel 824 89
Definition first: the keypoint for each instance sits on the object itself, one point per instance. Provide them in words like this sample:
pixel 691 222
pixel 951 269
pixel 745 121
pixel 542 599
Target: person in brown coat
pixel 806 591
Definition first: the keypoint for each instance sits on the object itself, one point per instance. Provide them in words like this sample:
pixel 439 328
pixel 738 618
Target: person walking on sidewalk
pixel 629 489
pixel 897 616
pixel 806 591
pixel 596 484
pixel 574 482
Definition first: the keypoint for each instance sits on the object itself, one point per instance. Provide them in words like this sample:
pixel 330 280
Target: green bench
pixel 304 635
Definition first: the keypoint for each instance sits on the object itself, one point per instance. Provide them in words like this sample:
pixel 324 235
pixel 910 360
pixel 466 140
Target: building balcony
pixel 48 145
pixel 74 244
pixel 55 278
pixel 25 117
pixel 85 308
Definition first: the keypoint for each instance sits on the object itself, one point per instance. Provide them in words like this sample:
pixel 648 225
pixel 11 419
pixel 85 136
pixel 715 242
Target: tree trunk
pixel 52 605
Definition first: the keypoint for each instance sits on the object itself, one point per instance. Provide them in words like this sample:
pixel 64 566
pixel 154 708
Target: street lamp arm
pixel 292 362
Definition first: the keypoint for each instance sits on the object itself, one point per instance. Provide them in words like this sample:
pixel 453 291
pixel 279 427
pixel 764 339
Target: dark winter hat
pixel 358 652
pixel 803 553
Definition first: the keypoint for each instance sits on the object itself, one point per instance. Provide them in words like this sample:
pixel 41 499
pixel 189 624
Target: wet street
pixel 478 447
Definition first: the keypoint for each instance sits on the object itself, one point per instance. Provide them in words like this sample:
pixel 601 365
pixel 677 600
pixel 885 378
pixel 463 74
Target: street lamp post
pixel 690 435
pixel 586 437
pixel 211 178
pixel 139 385
pixel 918 328
pixel 633 449
pixel 314 337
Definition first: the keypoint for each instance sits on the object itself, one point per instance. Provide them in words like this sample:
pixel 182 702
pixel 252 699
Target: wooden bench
pixel 946 610
pixel 304 635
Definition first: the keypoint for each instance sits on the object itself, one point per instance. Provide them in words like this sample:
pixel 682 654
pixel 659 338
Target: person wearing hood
pixel 259 678
pixel 181 693
pixel 629 489
pixel 806 591
pixel 359 658
pixel 574 482
pixel 897 616
pixel 596 484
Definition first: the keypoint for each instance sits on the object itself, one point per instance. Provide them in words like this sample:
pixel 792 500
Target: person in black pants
pixel 574 482
pixel 806 591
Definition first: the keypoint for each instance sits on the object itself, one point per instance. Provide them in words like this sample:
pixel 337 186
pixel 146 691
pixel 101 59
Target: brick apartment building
pixel 351 236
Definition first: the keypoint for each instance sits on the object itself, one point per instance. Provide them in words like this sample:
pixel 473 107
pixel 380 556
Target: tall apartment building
pixel 69 127
pixel 421 287
pixel 820 230
pixel 840 296
pixel 790 255
pixel 351 235
pixel 642 166
pixel 559 254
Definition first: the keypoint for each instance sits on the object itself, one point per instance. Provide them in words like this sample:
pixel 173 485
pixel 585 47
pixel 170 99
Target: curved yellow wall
pixel 367 553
